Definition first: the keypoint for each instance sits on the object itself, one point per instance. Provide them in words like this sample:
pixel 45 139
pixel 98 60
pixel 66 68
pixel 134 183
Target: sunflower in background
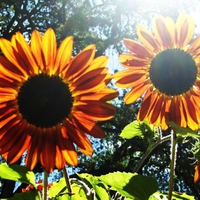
pixel 164 70
pixel 49 101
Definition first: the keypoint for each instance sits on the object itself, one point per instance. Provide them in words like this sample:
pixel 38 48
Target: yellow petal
pixel 49 47
pixel 64 55
pixel 185 29
pixel 36 47
pixel 164 30
pixel 136 93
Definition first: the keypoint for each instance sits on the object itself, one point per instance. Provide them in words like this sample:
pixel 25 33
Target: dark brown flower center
pixel 173 72
pixel 44 100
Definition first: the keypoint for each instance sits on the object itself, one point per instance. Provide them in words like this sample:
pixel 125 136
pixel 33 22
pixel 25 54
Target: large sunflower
pixel 49 100
pixel 164 70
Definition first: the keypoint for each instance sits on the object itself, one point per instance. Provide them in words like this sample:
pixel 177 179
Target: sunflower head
pixel 163 69
pixel 50 101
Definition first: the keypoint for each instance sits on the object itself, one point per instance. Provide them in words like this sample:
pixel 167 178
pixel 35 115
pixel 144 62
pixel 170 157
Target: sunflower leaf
pixel 100 188
pixel 130 185
pixel 57 187
pixel 17 173
pixel 29 195
pixel 136 128
pixel 183 131
pixel 176 196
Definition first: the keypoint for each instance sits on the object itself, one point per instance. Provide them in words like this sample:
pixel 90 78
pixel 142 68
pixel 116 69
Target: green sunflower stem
pixel 173 163
pixel 67 181
pixel 45 185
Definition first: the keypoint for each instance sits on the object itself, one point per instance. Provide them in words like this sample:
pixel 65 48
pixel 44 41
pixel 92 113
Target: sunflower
pixel 50 100
pixel 164 69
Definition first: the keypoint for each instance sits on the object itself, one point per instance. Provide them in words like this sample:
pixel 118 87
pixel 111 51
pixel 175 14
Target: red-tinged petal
pixel 136 93
pixel 87 125
pixel 24 51
pixel 193 108
pixel 183 122
pixel 79 138
pixel 96 76
pixel 36 47
pixel 185 29
pixel 156 109
pixel 194 46
pixel 12 55
pixel 164 30
pixel 48 152
pixel 91 81
pixel 147 102
pixel 12 137
pixel 7 82
pixel 80 63
pixel 130 78
pixel 190 121
pixel 148 39
pixel 49 48
pixel 34 149
pixel 131 61
pixel 102 95
pixel 8 70
pixel 64 55
pixel 66 146
pixel 100 61
pixel 18 148
pixel 99 111
pixel 137 48
pixel 59 162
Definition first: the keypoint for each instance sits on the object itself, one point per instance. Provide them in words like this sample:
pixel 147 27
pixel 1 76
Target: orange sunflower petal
pixel 137 48
pixel 36 47
pixel 79 138
pixel 49 50
pixel 32 156
pixel 64 55
pixel 164 30
pixel 66 147
pixel 136 92
pixel 102 95
pixel 185 29
pixel 48 148
pixel 130 78
pixel 80 62
pixel 148 39
pixel 10 52
pixel 87 125
pixel 100 111
pixel 24 51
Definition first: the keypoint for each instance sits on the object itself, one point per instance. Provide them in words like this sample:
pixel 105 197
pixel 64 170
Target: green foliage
pixel 175 196
pixel 141 129
pixel 131 185
pixel 30 195
pixel 184 131
pixel 17 173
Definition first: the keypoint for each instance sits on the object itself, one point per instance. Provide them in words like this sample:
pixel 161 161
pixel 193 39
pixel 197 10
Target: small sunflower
pixel 165 71
pixel 49 101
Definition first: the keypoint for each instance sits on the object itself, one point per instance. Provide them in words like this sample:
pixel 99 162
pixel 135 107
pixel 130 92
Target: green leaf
pixel 56 188
pixel 175 196
pixel 99 187
pixel 137 128
pixel 131 185
pixel 29 195
pixel 17 173
pixel 184 131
